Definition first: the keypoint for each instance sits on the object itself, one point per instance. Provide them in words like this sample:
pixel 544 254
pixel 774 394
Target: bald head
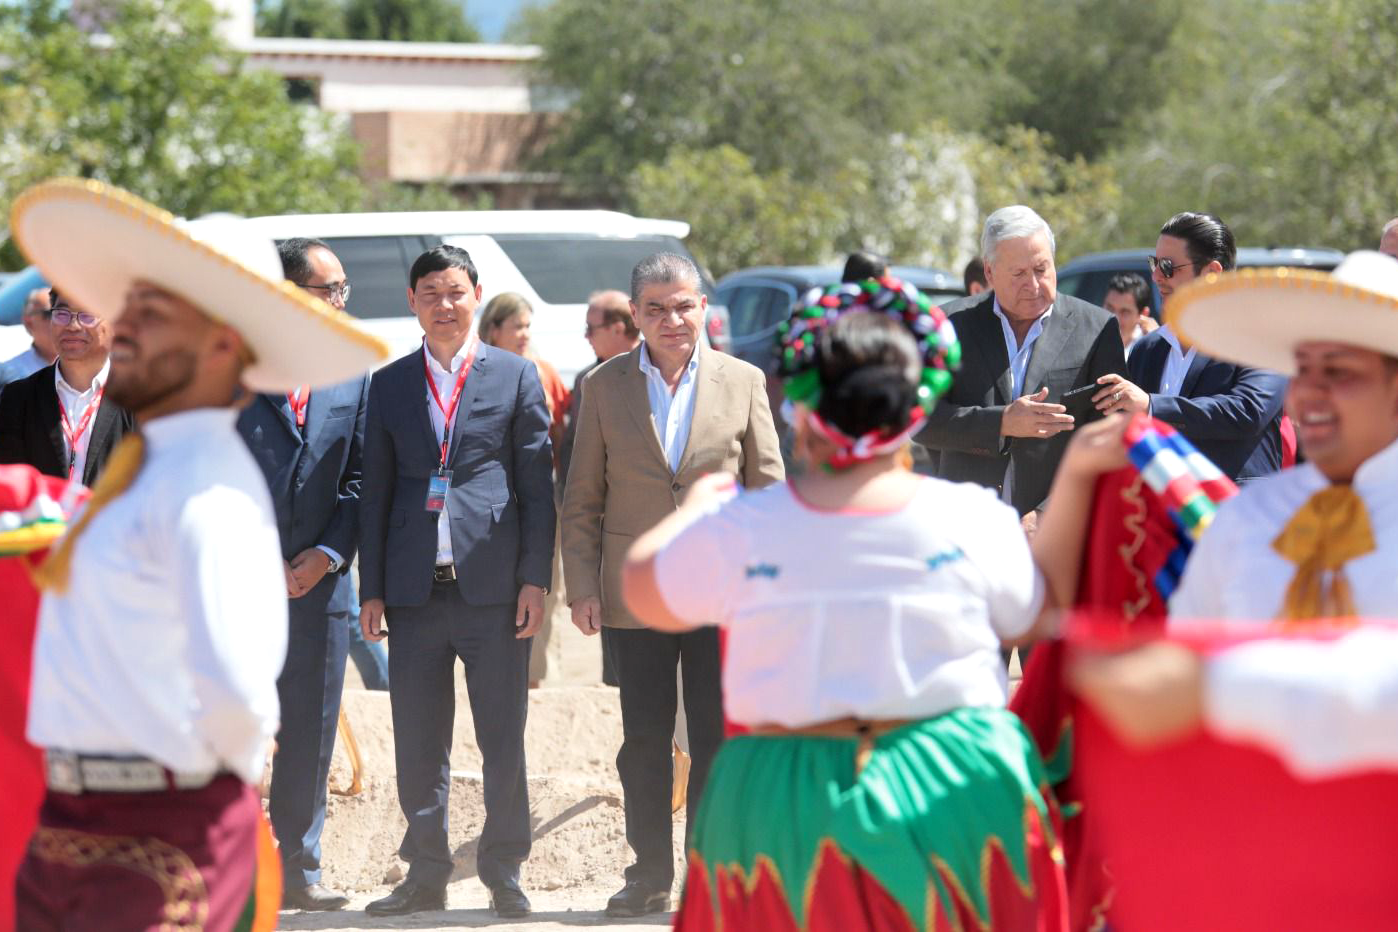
pixel 611 329
pixel 1389 241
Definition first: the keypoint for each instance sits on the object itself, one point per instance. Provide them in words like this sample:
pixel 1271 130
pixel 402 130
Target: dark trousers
pixel 424 642
pixel 309 689
pixel 645 664
pixel 175 859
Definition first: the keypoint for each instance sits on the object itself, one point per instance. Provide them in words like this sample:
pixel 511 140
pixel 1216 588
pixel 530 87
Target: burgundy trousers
pixel 175 860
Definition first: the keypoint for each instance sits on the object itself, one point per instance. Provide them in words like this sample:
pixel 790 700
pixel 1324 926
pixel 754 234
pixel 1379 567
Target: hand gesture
pixel 1030 416
pixel 1118 394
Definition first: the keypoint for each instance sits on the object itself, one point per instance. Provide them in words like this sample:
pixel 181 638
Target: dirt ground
pixel 573 733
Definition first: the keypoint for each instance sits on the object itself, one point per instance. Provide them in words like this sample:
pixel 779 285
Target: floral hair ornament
pixel 820 308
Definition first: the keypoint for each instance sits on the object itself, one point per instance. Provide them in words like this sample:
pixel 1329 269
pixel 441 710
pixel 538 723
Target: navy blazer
pixel 31 428
pixel 500 503
pixel 1231 413
pixel 1080 343
pixel 314 478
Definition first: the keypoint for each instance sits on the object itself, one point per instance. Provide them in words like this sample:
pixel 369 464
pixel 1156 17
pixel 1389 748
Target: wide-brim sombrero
pixel 1257 317
pixel 92 241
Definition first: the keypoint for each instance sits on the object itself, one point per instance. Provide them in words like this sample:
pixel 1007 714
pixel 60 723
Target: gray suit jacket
pixel 314 478
pixel 501 498
pixel 1080 342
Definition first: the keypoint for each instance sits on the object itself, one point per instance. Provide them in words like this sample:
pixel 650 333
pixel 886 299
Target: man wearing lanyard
pixel 456 552
pixel 307 445
pixel 55 419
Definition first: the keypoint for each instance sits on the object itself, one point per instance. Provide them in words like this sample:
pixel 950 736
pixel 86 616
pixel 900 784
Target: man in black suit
pixel 55 419
pixel 456 549
pixel 1024 346
pixel 1231 413
pixel 308 446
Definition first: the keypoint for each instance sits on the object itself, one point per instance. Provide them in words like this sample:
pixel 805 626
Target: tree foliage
pixel 391 20
pixel 160 105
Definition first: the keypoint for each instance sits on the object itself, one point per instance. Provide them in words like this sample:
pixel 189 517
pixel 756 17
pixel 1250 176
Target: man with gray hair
pixel 654 420
pixel 1388 241
pixel 1025 347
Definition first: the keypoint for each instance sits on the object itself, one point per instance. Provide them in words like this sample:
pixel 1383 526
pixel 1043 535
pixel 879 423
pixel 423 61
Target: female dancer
pixel 881 783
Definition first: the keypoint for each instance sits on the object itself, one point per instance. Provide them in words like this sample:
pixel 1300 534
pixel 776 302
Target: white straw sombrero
pixel 93 241
pixel 1257 317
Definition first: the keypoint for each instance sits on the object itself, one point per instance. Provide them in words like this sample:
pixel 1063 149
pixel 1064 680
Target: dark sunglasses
pixel 1168 267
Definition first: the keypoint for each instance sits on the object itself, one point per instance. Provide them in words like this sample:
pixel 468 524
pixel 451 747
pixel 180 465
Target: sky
pixel 492 16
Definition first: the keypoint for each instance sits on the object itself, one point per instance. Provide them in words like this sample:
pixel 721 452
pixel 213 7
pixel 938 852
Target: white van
pixel 554 258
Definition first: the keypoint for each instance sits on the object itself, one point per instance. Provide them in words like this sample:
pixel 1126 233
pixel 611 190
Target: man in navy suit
pixel 308 445
pixel 456 553
pixel 1231 413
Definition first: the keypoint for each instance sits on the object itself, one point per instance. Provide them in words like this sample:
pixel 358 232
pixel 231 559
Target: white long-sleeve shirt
pixel 1323 707
pixel 169 639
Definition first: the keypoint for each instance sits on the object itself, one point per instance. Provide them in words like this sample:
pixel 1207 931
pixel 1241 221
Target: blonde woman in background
pixel 505 324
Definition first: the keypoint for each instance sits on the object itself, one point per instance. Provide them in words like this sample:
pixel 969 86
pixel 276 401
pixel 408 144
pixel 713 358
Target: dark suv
pixel 758 299
pixel 1087 276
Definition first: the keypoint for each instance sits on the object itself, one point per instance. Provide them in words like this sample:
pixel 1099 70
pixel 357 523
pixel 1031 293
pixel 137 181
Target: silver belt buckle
pixel 63 771
pixel 122 776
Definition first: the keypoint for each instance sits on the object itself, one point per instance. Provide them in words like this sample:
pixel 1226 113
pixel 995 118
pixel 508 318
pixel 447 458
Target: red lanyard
pixel 449 410
pixel 298 400
pixel 74 434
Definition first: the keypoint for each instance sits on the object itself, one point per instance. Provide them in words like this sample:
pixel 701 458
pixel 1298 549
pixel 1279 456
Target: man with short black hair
pixel 973 276
pixel 55 419
pixel 308 447
pixel 1231 413
pixel 861 266
pixel 1128 298
pixel 456 554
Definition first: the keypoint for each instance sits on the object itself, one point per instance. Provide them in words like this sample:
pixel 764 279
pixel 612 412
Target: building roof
pixel 269 47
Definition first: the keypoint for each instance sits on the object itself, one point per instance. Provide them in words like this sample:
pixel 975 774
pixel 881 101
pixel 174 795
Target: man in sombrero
pixel 1313 546
pixel 164 622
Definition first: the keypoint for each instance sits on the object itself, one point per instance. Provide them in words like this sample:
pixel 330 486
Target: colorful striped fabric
pixel 1188 484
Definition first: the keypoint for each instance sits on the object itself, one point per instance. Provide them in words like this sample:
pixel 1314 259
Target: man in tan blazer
pixel 652 421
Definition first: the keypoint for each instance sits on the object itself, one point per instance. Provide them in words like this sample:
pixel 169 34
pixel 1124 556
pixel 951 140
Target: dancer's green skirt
pixel 946 826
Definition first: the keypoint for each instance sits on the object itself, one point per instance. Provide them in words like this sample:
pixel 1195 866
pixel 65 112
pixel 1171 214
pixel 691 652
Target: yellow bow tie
pixel 1331 529
pixel 117 476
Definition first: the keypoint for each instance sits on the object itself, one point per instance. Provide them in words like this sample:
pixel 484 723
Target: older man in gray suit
pixel 458 523
pixel 1024 347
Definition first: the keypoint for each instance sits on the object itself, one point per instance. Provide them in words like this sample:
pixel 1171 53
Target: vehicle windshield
pixel 565 269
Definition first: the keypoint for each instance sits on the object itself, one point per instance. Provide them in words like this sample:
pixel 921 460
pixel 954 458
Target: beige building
pixel 464 115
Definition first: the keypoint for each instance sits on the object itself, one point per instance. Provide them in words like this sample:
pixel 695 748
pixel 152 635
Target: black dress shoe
pixel 409 897
pixel 315 898
pixel 638 899
pixel 509 902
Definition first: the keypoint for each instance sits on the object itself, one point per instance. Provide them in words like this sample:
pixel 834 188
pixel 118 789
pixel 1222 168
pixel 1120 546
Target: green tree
pixel 161 105
pixel 394 20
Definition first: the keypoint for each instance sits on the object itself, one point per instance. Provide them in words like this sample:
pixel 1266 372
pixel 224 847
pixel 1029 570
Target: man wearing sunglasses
pixel 1231 413
pixel 308 446
pixel 56 419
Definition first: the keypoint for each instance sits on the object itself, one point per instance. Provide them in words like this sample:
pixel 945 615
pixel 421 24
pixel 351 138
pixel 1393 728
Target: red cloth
pixel 178 859
pixel 21 763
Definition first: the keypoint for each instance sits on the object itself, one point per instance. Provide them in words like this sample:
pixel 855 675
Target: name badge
pixel 437 486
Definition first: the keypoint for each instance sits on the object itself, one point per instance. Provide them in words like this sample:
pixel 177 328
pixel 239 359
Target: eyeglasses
pixel 341 291
pixel 63 317
pixel 1168 267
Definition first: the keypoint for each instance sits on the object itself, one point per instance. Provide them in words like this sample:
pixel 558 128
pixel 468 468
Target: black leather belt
pixel 444 573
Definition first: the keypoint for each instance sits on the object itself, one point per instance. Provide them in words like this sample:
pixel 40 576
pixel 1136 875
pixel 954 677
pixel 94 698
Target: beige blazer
pixel 619 482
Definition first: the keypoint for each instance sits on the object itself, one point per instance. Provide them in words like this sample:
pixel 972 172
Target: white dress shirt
pixel 1018 354
pixel 829 614
pixel 171 635
pixel 1234 573
pixel 672 413
pixel 1176 364
pixel 76 403
pixel 445 380
pixel 1323 707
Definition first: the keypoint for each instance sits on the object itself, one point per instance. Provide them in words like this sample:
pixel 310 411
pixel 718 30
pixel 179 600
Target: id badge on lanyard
pixel 439 483
pixel 437 486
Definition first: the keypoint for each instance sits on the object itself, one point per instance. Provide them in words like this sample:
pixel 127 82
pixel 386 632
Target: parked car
pixel 1087 276
pixel 554 258
pixel 758 299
